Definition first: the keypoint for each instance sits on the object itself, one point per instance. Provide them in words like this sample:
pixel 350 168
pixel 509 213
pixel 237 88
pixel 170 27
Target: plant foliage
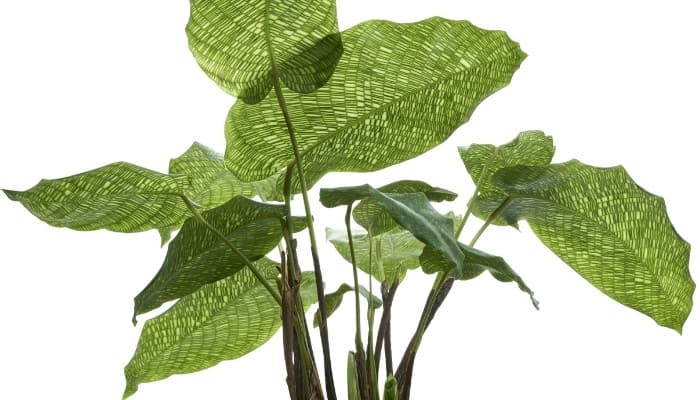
pixel 369 97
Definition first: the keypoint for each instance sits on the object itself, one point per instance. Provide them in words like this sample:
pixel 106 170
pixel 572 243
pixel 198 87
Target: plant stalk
pixel 193 209
pixel 323 326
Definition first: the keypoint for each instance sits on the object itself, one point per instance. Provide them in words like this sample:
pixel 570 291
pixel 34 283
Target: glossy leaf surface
pixel 370 215
pixel 609 230
pixel 483 160
pixel 243 44
pixel 221 321
pixel 119 197
pixel 475 262
pixel 412 211
pixel 399 251
pixel 198 256
pixel 398 91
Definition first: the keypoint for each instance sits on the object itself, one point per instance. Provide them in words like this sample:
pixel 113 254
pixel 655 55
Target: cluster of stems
pixel 303 380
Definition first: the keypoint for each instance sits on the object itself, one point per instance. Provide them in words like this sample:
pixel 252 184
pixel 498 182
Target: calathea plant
pixel 312 100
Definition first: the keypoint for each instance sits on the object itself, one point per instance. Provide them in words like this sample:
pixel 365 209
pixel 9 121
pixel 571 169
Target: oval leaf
pixel 398 91
pixel 212 183
pixel 609 230
pixel 221 321
pixel 198 256
pixel 242 45
pixel 399 249
pixel 333 301
pixel 412 211
pixel 372 216
pixel 483 160
pixel 119 197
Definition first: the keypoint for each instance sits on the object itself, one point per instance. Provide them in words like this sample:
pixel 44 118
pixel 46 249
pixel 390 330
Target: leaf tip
pixel 11 194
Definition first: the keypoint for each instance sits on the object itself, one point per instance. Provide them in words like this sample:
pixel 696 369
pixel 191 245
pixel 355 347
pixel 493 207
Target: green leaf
pixel 372 216
pixel 398 91
pixel 483 160
pixel 475 262
pixel 412 211
pixel 612 232
pixel 212 183
pixel 242 45
pixel 399 249
pixel 198 256
pixel 333 301
pixel 119 197
pixel 352 379
pixel 221 321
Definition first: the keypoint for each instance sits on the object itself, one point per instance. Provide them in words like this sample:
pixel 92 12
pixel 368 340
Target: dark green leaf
pixel 243 44
pixel 609 230
pixel 398 91
pixel 212 183
pixel 475 262
pixel 410 210
pixel 399 251
pixel 483 160
pixel 221 321
pixel 333 301
pixel 198 256
pixel 372 216
pixel 119 197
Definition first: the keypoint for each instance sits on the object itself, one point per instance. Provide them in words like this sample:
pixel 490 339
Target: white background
pixel 85 83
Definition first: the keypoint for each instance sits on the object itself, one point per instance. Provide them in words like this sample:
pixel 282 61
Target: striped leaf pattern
pixel 221 321
pixel 119 197
pixel 612 232
pixel 242 45
pixel 334 299
pixel 398 91
pixel 198 256
pixel 483 160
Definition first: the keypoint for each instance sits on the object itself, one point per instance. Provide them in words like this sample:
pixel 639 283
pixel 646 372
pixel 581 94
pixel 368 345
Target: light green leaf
pixel 352 379
pixel 221 321
pixel 198 256
pixel 612 232
pixel 475 262
pixel 398 91
pixel 391 389
pixel 212 183
pixel 399 249
pixel 412 211
pixel 333 301
pixel 243 44
pixel 483 160
pixel 372 216
pixel 119 197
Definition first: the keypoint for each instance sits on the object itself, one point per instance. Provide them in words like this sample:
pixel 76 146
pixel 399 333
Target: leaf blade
pixel 383 105
pixel 610 231
pixel 119 197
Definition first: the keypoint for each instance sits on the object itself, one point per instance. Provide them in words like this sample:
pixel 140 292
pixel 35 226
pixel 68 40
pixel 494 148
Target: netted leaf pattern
pixel 612 232
pixel 212 183
pixel 398 91
pixel 198 256
pixel 221 321
pixel 532 148
pixel 119 197
pixel 242 45
pixel 399 250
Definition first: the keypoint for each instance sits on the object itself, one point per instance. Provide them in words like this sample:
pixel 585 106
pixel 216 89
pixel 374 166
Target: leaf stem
pixel 358 320
pixel 193 209
pixel 323 326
